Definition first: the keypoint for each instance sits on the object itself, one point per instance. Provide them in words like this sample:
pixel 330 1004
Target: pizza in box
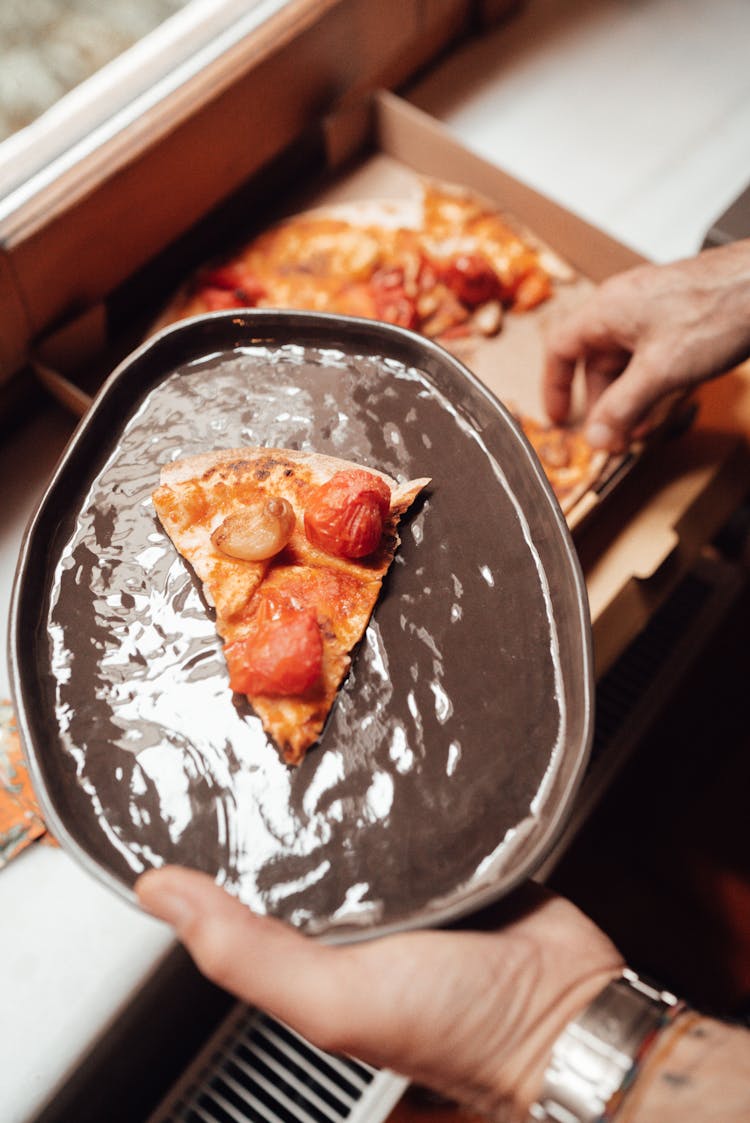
pixel 443 262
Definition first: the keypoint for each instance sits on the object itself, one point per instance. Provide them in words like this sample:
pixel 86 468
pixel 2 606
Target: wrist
pixel 521 1078
pixel 551 966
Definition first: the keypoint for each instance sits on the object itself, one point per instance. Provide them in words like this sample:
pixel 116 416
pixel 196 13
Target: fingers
pixel 616 413
pixel 604 426
pixel 263 961
pixel 558 386
pixel 621 381
pixel 584 337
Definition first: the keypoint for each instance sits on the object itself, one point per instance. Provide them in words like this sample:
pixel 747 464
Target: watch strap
pixel 596 1057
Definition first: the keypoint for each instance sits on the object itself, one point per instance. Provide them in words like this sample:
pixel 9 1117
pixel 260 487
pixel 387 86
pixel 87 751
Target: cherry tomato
pixel 356 299
pixel 472 279
pixel 534 288
pixel 400 310
pixel 282 655
pixel 236 279
pixel 388 277
pixel 345 516
pixel 216 300
pixel 392 303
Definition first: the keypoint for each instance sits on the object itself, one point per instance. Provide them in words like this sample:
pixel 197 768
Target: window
pixel 49 48
pixel 127 162
pixel 95 68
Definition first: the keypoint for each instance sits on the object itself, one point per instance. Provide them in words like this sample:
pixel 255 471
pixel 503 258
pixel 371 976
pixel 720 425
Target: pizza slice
pixel 570 463
pixel 291 549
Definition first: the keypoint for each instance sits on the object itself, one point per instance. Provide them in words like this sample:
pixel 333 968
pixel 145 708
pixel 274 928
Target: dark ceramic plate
pixel 456 744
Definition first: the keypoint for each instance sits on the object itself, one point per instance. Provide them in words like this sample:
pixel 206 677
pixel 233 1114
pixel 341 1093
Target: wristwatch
pixel 595 1058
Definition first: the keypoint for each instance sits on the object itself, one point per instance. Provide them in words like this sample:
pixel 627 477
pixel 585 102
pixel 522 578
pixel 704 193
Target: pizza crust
pixel 320 466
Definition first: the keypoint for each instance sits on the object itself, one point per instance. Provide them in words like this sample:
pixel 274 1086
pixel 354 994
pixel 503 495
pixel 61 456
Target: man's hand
pixel 646 333
pixel 471 1014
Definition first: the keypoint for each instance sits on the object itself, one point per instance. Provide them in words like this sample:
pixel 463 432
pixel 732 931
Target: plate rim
pixel 246 321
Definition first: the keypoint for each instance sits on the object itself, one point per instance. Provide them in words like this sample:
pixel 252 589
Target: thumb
pixel 263 961
pixel 620 408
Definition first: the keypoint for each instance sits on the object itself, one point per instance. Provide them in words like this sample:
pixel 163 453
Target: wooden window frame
pixel 75 240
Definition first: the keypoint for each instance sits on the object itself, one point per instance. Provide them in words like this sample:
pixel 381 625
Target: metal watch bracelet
pixel 595 1058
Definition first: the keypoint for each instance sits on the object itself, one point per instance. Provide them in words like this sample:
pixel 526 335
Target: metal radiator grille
pixel 263 1072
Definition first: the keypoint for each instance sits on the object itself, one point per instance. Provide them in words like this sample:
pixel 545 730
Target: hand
pixel 646 333
pixel 471 1014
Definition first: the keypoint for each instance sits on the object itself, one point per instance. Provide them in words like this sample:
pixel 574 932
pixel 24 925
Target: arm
pixel 471 1014
pixel 699 1071
pixel 646 333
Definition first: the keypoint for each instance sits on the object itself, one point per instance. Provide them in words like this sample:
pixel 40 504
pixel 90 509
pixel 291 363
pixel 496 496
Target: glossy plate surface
pixel 458 739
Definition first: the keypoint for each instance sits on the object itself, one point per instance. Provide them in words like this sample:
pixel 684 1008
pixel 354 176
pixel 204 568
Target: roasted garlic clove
pixel 488 318
pixel 257 532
